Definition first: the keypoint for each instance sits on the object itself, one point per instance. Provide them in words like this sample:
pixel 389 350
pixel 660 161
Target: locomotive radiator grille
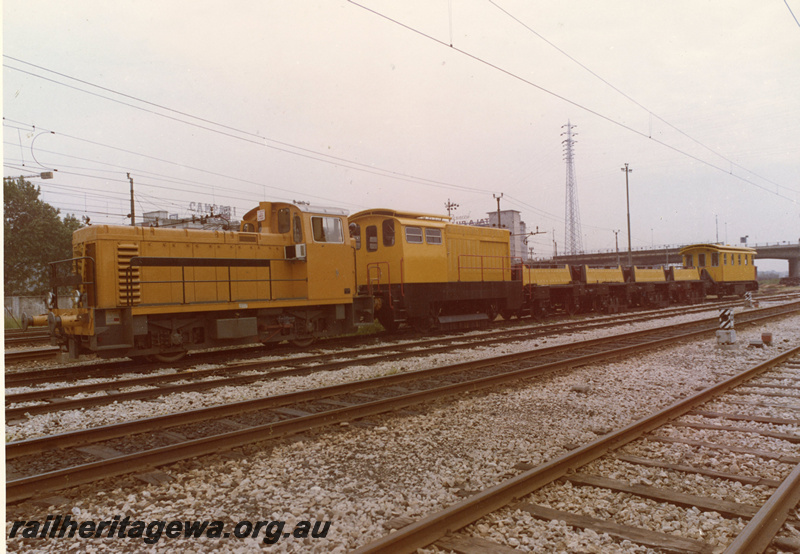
pixel 128 285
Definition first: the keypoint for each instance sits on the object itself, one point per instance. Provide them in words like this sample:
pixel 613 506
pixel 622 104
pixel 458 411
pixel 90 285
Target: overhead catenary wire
pixel 565 99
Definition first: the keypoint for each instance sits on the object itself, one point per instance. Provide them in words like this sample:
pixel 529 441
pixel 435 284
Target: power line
pixel 563 98
pixel 650 112
pixel 301 151
pixel 791 12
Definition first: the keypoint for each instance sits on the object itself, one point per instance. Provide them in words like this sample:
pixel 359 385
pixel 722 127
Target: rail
pixel 183 263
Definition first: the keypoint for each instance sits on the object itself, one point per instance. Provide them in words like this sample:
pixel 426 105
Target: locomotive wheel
pixel 171 357
pixel 491 312
pixel 303 343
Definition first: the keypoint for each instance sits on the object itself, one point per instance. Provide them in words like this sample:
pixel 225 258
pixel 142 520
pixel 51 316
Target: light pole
pixel 498 208
pixel 628 201
pixel 616 243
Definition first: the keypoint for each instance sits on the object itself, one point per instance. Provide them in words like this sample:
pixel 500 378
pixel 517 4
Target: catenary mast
pixel 573 241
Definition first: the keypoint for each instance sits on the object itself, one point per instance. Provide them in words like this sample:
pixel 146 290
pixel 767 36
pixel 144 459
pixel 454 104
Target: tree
pixel 33 236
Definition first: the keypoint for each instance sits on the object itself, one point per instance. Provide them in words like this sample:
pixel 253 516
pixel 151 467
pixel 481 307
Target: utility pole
pixel 498 208
pixel 616 243
pixel 450 206
pixel 133 209
pixel 628 201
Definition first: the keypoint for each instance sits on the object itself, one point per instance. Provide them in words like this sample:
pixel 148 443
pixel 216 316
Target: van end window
pixel 372 238
pixel 414 235
pixel 284 220
pixel 327 229
pixel 433 236
pixel 355 234
pixel 388 232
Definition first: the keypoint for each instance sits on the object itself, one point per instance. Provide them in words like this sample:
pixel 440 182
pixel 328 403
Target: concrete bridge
pixel 670 255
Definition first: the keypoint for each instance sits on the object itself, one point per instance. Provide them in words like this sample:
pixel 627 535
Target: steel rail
pixel 26 487
pixel 762 528
pixel 26 447
pixel 28 378
pixel 435 526
pixel 400 351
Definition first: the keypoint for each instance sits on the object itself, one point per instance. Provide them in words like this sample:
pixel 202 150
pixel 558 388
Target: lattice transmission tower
pixel 572 228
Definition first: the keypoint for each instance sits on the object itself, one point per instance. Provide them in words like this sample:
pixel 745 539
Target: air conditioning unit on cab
pixel 296 252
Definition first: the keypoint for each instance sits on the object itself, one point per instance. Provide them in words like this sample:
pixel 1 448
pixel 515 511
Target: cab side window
pixel 355 234
pixel 388 232
pixel 414 235
pixel 327 229
pixel 284 220
pixel 372 238
pixel 433 236
pixel 298 229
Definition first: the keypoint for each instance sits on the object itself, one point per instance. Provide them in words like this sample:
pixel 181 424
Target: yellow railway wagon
pixel 425 272
pixel 147 291
pixel 727 270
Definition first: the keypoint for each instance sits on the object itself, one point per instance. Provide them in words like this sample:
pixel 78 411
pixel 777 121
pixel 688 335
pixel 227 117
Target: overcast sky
pixel 368 105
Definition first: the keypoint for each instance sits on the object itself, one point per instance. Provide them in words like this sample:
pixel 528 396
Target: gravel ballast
pixel 361 476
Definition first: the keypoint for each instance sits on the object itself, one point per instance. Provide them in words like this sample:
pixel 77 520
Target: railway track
pixel 55 399
pixel 535 491
pixel 119 367
pixel 50 463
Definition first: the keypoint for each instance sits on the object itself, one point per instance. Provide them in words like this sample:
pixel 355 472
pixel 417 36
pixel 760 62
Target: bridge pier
pixel 794 267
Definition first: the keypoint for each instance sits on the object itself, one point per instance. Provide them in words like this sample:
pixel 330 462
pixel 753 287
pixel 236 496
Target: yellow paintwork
pixel 465 253
pixel 685 274
pixel 544 276
pixel 325 276
pixel 604 275
pixel 647 275
pixel 723 263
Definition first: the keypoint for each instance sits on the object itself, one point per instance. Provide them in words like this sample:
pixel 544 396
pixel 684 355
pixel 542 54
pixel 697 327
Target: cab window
pixel 327 229
pixel 414 235
pixel 725 258
pixel 355 234
pixel 701 260
pixel 688 260
pixel 433 236
pixel 298 230
pixel 284 220
pixel 372 238
pixel 388 232
pixel 715 259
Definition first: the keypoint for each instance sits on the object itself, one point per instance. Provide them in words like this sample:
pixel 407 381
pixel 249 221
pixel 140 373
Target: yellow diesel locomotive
pixel 426 272
pixel 288 274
